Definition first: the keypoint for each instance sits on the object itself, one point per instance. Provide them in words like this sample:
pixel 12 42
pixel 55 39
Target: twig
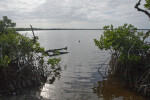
pixel 101 67
pixel 102 64
pixel 146 35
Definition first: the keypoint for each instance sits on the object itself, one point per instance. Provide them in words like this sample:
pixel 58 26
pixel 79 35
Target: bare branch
pixel 147 13
pixel 33 33
pixel 139 9
pixel 146 35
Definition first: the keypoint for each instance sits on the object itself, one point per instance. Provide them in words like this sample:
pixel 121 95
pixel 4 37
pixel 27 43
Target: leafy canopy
pixel 124 42
pixel 15 47
pixel 147 4
pixel 7 26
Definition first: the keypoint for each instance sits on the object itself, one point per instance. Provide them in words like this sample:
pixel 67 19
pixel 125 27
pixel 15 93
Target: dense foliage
pixel 147 4
pixel 124 42
pixel 23 61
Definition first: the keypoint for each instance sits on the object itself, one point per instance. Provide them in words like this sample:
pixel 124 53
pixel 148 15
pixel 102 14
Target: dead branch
pixel 33 33
pixel 57 51
pixel 53 50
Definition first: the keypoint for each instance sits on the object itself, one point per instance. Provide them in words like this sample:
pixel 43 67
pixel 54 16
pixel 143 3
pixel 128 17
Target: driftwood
pixel 56 52
pixel 53 50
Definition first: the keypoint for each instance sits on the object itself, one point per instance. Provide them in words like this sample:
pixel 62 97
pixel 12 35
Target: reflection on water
pixel 112 89
pixel 80 80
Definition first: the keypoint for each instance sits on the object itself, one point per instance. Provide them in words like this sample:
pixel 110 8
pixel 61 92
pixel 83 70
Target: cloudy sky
pixel 73 13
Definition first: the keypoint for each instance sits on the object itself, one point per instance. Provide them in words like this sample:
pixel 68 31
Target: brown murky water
pixel 80 79
pixel 113 89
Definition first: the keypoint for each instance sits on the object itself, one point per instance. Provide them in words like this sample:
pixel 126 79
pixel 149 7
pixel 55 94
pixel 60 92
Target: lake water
pixel 80 79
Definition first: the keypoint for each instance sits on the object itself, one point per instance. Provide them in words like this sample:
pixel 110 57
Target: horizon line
pixel 25 29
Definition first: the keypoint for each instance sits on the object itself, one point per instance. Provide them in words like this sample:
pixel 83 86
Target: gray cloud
pixel 73 13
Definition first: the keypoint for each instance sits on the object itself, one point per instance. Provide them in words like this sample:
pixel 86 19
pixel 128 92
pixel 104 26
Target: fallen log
pixel 56 52
pixel 53 50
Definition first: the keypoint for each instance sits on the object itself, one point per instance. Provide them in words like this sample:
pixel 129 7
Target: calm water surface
pixel 79 78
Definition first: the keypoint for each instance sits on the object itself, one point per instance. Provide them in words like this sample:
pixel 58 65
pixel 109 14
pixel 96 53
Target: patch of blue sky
pixel 110 12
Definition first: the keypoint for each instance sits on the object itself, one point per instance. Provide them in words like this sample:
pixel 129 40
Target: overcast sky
pixel 73 13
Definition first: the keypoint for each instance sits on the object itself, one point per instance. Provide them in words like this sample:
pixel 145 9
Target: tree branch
pixel 33 33
pixel 147 13
pixel 139 9
pixel 146 35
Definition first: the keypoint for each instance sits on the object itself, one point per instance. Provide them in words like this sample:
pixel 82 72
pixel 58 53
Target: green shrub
pixel 124 42
pixel 23 61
